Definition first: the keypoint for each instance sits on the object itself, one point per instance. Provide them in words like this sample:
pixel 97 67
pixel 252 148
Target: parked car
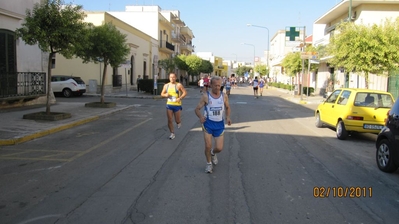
pixel 68 85
pixel 354 110
pixel 387 143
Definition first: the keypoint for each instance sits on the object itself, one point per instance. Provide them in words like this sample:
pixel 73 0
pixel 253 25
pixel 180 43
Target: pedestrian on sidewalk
pixel 174 92
pixel 215 104
pixel 138 82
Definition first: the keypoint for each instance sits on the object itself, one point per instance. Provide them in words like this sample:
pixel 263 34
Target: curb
pixel 15 141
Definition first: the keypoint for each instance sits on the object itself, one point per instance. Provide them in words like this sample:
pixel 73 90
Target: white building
pixel 362 12
pixel 23 68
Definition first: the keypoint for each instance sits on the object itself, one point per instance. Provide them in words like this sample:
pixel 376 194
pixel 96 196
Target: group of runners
pixel 227 83
pixel 215 105
pixel 216 111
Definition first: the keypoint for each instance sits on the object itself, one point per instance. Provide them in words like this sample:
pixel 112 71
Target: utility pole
pixel 303 62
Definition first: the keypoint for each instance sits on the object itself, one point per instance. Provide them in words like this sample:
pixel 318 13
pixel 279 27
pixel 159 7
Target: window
pixel 7 52
pixel 333 97
pixel 373 100
pixel 343 99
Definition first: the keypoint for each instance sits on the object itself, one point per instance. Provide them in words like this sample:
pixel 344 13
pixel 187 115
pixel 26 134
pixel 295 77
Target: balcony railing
pixel 20 84
pixel 166 46
pixel 187 47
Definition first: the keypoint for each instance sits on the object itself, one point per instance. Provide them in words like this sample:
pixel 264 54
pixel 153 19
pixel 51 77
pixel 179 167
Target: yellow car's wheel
pixel 342 134
pixel 318 122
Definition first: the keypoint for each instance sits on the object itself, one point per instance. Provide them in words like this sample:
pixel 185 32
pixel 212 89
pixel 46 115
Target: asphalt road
pixel 276 167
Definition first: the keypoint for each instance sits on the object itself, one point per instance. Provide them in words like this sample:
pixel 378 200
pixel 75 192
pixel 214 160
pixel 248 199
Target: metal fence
pixel 20 84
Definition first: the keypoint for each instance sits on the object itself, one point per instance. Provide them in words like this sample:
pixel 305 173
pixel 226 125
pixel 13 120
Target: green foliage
pixel 261 69
pixel 180 62
pixel 242 70
pixel 365 49
pixel 168 64
pixel 55 28
pixel 104 43
pixel 292 63
pixel 305 90
pixel 282 85
pixel 206 66
pixel 194 64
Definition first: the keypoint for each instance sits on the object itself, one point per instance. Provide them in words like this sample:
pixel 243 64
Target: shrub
pixel 305 90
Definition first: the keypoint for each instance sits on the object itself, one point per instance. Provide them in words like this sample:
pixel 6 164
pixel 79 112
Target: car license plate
pixel 372 126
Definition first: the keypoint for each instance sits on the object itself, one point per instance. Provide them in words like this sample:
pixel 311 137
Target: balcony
pixel 187 32
pixel 176 37
pixel 166 47
pixel 22 84
pixel 187 47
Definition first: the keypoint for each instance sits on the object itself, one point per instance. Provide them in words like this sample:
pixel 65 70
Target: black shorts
pixel 255 88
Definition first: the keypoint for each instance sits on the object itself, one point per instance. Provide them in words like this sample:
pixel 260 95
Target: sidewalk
pixel 297 98
pixel 14 129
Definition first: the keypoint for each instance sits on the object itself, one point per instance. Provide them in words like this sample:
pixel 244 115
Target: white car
pixel 68 85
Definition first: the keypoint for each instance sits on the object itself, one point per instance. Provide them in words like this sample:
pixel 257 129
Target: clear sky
pixel 219 26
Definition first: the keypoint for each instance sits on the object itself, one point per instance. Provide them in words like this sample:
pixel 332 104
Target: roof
pixel 343 7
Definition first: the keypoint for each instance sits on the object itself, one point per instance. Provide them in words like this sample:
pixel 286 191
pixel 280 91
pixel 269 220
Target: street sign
pixel 309 55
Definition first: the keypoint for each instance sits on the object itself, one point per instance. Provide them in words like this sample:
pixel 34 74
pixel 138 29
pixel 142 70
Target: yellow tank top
pixel 171 89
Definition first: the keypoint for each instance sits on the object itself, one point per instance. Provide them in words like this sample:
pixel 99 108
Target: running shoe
pixel 172 136
pixel 214 159
pixel 208 168
pixel 179 125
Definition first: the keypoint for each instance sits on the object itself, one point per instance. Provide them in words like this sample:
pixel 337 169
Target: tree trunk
pixel 102 84
pixel 50 57
pixel 366 79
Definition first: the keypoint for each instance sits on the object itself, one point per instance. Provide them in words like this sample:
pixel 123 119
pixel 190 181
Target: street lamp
pixel 268 43
pixel 254 54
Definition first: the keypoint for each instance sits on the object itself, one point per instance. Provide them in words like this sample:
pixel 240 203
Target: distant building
pixel 165 26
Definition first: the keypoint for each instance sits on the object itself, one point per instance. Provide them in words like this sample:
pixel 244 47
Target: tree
pixel 180 62
pixel 106 44
pixel 292 63
pixel 261 69
pixel 194 64
pixel 206 66
pixel 168 64
pixel 241 70
pixel 365 49
pixel 56 28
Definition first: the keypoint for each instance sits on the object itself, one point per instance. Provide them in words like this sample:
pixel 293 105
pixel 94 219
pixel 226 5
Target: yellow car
pixel 354 110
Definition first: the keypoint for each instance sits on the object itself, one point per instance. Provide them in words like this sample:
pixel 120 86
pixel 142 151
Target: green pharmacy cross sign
pixel 291 33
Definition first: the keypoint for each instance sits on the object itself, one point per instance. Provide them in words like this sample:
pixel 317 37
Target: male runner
pixel 175 92
pixel 215 104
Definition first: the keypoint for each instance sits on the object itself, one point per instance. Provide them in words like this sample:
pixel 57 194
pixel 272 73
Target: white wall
pixel 147 22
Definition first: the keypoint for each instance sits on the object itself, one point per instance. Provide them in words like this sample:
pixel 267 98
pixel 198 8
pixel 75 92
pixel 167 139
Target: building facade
pixel 140 61
pixel 361 12
pixel 165 26
pixel 23 68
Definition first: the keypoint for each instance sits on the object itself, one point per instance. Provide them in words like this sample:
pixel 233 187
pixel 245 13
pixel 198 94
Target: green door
pixel 393 83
